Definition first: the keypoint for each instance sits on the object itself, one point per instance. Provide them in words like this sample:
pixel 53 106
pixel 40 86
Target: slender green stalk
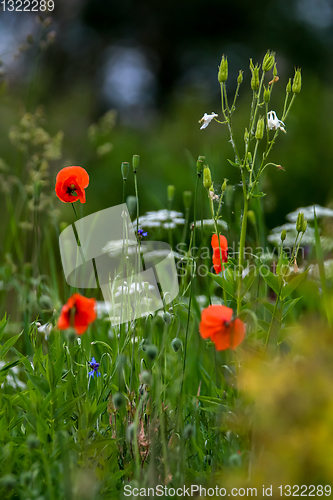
pixel 242 244
pixel 273 315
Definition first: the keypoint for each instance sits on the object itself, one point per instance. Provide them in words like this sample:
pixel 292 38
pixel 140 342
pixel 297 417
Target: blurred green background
pixel 155 64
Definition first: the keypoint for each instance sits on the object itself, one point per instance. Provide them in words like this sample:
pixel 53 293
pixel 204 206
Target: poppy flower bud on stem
pixel 223 70
pixel 187 199
pixel 260 128
pixel 176 344
pixel 171 193
pixel 124 170
pixel 200 166
pixel 297 82
pixel 268 61
pixel 135 163
pixel 207 178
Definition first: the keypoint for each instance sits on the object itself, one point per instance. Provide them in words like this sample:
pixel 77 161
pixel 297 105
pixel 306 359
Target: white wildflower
pixel 273 122
pixel 206 119
pixel 45 329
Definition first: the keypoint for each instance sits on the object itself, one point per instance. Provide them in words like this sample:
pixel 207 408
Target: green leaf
pixel 10 365
pixel 292 284
pixel 3 324
pixel 288 306
pixel 223 283
pixel 259 195
pixel 7 345
pixel 273 282
pixel 39 383
pixel 248 282
pixel 234 164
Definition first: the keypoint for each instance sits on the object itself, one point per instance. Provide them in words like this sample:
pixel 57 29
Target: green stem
pixel 273 315
pixel 242 244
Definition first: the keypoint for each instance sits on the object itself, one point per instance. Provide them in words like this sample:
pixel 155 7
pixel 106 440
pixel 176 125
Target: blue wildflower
pixel 142 233
pixel 94 368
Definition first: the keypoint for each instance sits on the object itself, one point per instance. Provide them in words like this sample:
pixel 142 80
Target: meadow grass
pixel 150 402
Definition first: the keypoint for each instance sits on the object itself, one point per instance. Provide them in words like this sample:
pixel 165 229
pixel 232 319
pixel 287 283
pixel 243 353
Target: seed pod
pixel 299 222
pixel 124 170
pixel 268 61
pixel 260 128
pixel 223 70
pixel 135 163
pixel 240 77
pixel 288 87
pixel 283 235
pixel 297 82
pixel 267 95
pixel 207 178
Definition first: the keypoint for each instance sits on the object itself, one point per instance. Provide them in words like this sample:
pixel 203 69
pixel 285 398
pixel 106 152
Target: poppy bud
pixel 135 163
pixel 207 178
pixel 171 193
pixel 260 128
pixel 267 95
pixel 145 377
pixel 268 61
pixel 224 185
pixel 167 318
pixel 8 481
pixel 118 400
pixel 124 170
pixel 131 204
pixel 240 77
pixel 223 70
pixel 299 222
pixel 288 87
pixel 176 344
pixel 187 198
pixel 200 166
pixel 297 82
pixel 151 351
pixel 283 235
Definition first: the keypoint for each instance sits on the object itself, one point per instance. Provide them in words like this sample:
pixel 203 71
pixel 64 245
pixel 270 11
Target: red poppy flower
pixel 78 313
pixel 71 183
pixel 217 324
pixel 216 251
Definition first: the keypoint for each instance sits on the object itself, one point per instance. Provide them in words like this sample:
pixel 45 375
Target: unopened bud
pixel 304 226
pixel 124 170
pixel 135 163
pixel 267 95
pixel 268 61
pixel 283 235
pixel 255 76
pixel 246 136
pixel 187 198
pixel 260 128
pixel 171 193
pixel 288 87
pixel 275 71
pixel 176 344
pixel 207 178
pixel 151 351
pixel 224 185
pixel 200 166
pixel 299 222
pixel 145 377
pixel 297 82
pixel 118 400
pixel 131 204
pixel 240 77
pixel 223 70
pixel 167 318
